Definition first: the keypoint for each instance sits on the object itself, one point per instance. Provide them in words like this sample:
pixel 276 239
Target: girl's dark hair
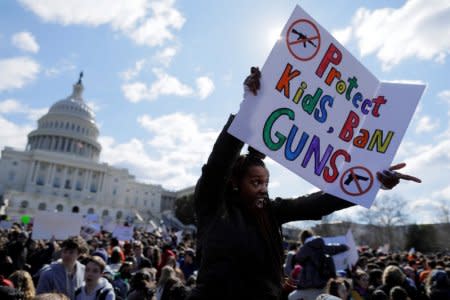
pixel 244 162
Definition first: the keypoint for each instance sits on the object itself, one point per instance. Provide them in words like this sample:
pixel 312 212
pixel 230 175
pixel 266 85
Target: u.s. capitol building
pixel 60 170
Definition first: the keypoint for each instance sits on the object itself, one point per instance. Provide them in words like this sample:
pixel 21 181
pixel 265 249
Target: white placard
pixel 58 224
pixel 348 258
pixel 123 233
pixel 323 115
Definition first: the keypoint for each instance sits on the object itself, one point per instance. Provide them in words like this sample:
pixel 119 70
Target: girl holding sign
pixel 239 227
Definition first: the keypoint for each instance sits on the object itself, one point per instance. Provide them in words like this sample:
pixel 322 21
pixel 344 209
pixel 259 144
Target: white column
pixel 63 178
pixel 49 174
pixel 100 186
pixel 31 172
pixel 36 170
pixel 88 179
pixel 52 174
pixel 52 142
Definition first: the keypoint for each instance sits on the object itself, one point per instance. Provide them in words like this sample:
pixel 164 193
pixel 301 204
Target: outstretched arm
pixel 319 204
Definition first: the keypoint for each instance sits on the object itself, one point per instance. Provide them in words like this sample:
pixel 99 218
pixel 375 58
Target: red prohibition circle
pixel 361 191
pixel 291 44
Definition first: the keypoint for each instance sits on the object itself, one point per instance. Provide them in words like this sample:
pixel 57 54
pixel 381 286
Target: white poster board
pixel 123 233
pixel 323 115
pixel 58 224
pixel 348 258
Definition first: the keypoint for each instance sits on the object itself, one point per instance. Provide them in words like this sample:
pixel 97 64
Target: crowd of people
pixel 158 267
pixel 237 252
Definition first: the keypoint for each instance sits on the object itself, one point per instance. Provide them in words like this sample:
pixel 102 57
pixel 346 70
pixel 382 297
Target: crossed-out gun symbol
pixel 303 38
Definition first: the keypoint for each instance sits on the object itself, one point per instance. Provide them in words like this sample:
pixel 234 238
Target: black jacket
pixel 236 261
pixel 311 256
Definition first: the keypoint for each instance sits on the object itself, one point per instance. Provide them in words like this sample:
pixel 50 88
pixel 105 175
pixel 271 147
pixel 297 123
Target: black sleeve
pixel 309 207
pixel 211 186
pixel 335 249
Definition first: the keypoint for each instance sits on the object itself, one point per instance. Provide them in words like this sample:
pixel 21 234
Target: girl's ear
pixel 234 184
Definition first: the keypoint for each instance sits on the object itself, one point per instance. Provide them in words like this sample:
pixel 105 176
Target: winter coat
pixel 236 261
pixel 53 278
pixel 311 256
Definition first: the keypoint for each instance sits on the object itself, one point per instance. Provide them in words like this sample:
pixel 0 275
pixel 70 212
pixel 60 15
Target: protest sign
pixel 61 225
pixel 348 258
pixel 323 115
pixel 89 230
pixel 123 233
pixel 108 224
pixel 5 224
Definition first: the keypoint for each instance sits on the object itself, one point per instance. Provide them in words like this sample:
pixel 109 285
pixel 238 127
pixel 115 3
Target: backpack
pixel 99 295
pixel 327 268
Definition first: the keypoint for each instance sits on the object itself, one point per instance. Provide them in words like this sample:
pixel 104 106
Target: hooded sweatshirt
pixel 103 290
pixel 53 278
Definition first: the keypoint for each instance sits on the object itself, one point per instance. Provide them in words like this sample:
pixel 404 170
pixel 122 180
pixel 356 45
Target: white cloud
pixel 343 35
pixel 94 106
pixel 11 106
pixel 165 56
pixel 133 72
pixel 445 96
pixel 62 67
pixel 179 148
pixel 13 135
pixel 205 87
pixel 17 71
pixel 425 124
pixel 135 92
pixel 25 41
pixel 166 85
pixel 146 22
pixel 417 29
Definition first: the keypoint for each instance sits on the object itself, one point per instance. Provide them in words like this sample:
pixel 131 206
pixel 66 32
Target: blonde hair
pixel 393 276
pixel 23 282
pixel 167 272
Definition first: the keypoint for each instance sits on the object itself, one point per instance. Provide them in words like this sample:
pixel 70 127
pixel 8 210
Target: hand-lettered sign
pixel 323 115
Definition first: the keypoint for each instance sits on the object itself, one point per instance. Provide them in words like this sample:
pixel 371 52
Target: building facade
pixel 60 170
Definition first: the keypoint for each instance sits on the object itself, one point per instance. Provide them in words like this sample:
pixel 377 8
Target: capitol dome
pixel 69 127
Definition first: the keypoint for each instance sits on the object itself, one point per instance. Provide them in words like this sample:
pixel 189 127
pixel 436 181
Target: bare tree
pixel 387 211
pixel 444 210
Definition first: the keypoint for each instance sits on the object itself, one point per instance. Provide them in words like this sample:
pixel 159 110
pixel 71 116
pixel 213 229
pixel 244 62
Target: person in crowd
pixel 239 229
pixel 24 283
pixel 360 290
pixel 18 250
pixel 392 277
pixel 289 262
pixel 95 286
pixel 316 260
pixel 67 275
pixel 141 260
pixel 115 261
pixel 142 286
pixel 398 293
pixel 338 287
pixel 51 296
pixel 121 280
pixel 169 286
pixel 437 285
pixel 188 265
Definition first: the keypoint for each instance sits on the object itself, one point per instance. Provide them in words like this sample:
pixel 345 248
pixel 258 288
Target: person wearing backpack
pixel 95 287
pixel 316 260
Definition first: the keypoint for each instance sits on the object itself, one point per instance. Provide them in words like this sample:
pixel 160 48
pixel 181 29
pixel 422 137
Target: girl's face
pixel 363 281
pixel 253 186
pixel 342 292
pixel 92 273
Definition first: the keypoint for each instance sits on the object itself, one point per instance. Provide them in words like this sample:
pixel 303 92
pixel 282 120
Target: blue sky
pixel 162 77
